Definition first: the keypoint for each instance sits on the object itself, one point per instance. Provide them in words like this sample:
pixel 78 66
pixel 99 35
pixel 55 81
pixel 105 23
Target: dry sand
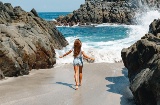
pixel 103 84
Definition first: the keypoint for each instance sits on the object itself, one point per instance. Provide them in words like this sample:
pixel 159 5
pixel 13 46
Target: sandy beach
pixel 103 84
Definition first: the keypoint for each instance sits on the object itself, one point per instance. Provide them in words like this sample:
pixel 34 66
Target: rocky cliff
pixel 107 11
pixel 142 60
pixel 26 41
pixel 100 12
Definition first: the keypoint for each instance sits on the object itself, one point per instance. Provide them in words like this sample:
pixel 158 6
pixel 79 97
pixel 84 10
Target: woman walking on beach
pixel 78 54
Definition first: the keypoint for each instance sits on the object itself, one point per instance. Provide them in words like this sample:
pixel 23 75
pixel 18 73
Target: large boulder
pixel 142 60
pixel 26 41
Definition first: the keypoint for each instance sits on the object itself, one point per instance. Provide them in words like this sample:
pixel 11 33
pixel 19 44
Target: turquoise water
pixel 104 42
pixel 95 34
pixel 88 34
pixel 51 15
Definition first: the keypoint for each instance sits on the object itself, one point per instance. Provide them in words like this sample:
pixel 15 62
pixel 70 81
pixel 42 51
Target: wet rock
pixel 26 41
pixel 142 60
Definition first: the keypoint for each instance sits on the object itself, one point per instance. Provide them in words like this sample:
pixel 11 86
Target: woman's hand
pixel 60 56
pixel 92 59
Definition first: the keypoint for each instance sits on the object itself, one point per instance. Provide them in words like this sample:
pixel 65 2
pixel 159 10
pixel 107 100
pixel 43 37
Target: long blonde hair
pixel 77 47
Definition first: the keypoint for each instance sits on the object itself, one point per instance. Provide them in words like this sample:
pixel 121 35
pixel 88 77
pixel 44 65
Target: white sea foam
pixel 110 51
pixel 54 20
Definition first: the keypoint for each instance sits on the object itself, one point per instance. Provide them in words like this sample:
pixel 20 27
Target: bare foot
pixel 76 87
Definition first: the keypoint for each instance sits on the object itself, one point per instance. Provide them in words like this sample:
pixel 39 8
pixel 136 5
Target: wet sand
pixel 103 84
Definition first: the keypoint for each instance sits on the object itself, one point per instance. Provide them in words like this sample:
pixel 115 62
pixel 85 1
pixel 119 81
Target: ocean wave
pixel 110 51
pixel 96 25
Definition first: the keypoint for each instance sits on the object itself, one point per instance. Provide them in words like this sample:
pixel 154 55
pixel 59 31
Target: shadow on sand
pixel 121 86
pixel 66 84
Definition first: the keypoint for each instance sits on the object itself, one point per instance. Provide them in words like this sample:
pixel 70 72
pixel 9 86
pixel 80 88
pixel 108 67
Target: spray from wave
pixel 110 51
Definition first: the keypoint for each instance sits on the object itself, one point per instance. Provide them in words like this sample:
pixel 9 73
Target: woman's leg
pixel 76 75
pixel 80 75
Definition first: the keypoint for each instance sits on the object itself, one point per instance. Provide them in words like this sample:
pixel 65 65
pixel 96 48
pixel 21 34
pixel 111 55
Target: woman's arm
pixel 86 56
pixel 65 54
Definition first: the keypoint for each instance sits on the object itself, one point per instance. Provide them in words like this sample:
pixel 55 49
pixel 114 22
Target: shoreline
pixel 93 25
pixel 33 71
pixel 103 83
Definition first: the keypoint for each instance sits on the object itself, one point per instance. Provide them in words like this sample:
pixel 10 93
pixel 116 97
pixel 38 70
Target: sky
pixel 47 5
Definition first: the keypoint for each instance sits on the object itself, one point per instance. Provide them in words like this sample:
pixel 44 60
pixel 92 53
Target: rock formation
pixel 107 11
pixel 100 12
pixel 142 60
pixel 26 41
